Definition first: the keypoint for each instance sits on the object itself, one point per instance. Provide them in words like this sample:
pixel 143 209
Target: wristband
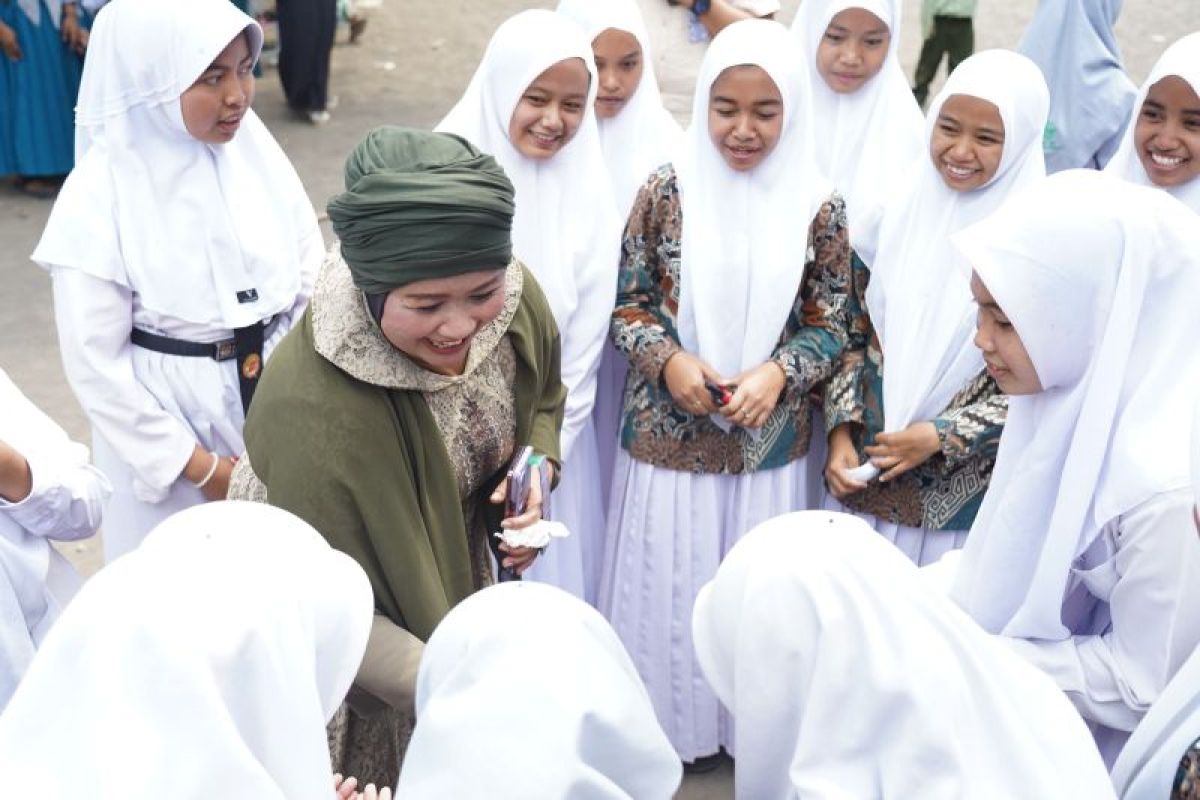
pixel 212 470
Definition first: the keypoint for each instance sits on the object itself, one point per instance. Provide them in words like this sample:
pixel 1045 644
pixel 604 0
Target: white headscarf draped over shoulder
pixel 745 234
pixel 204 664
pixel 644 135
pixel 565 216
pixel 869 142
pixel 1073 43
pixel 849 676
pixel 1099 279
pixel 918 298
pixel 1183 60
pixel 185 225
pixel 590 733
pixel 1147 765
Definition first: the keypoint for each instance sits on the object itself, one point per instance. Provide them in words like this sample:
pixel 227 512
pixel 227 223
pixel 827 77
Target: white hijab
pixel 204 664
pixel 1073 43
pixel 1146 768
pixel 565 217
pixel 525 691
pixel 1099 279
pixel 1181 59
pixel 919 300
pixel 644 135
pixel 849 676
pixel 745 234
pixel 185 225
pixel 868 142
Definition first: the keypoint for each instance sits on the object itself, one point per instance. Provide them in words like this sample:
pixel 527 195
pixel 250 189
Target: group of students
pixel 812 300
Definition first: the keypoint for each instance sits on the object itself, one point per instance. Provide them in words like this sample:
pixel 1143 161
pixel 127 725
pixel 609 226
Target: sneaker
pixel 319 117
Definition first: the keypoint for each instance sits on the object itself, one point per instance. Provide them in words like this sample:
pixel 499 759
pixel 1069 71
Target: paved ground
pixel 410 67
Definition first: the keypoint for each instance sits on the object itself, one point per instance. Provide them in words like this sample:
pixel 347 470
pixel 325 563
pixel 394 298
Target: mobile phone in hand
pixel 519 475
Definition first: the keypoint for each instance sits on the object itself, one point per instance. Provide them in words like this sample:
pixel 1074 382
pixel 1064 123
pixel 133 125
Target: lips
pixel 446 348
pixel 742 153
pixel 546 141
pixel 959 172
pixel 1166 162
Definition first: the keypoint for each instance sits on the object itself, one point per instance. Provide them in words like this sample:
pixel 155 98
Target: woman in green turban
pixel 388 416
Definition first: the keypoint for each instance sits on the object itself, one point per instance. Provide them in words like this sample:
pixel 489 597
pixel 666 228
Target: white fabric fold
pixel 919 299
pixel 1098 279
pixel 589 731
pixel 1182 59
pixel 849 676
pixel 869 142
pixel 196 224
pixel 745 234
pixel 1147 765
pixel 1073 43
pixel 644 135
pixel 565 214
pixel 204 664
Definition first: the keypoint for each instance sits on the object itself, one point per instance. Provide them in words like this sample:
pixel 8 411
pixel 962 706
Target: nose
pixel 235 92
pixel 457 326
pixel 983 337
pixel 851 54
pixel 1168 136
pixel 743 129
pixel 608 80
pixel 552 118
pixel 961 149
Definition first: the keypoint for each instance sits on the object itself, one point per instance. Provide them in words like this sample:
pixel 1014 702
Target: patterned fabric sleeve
pixel 972 424
pixel 1187 778
pixel 809 357
pixel 845 398
pixel 638 328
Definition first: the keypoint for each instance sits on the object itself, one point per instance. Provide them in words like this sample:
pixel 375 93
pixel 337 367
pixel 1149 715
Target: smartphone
pixel 519 472
pixel 721 395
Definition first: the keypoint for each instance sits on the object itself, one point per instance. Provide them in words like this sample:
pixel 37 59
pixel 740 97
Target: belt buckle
pixel 226 350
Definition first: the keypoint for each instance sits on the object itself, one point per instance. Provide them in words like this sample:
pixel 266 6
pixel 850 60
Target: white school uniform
pixel 919 297
pixel 563 231
pixel 159 231
pixel 590 734
pixel 848 676
pixel 205 664
pixel 1073 43
pixel 64 504
pixel 1083 552
pixel 744 241
pixel 869 143
pixel 1183 60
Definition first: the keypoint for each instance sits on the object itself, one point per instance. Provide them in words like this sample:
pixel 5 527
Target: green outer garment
pixel 366 466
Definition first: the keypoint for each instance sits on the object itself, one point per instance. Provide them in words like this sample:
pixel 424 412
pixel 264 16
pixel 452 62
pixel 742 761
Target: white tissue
pixel 864 473
pixel 538 534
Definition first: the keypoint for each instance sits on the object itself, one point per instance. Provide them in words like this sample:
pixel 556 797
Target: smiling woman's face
pixel 433 321
pixel 745 116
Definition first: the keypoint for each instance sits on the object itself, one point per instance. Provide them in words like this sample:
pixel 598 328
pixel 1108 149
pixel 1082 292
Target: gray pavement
pixel 411 65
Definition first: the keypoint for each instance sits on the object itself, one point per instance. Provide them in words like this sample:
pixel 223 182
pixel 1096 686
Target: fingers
pixel 519 558
pixel 501 491
pixel 532 513
pixel 896 471
pixel 840 483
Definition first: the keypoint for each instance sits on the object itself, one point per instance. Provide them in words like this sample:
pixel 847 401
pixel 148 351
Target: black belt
pixel 246 346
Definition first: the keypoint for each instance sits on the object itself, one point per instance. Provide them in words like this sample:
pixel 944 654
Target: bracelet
pixel 212 470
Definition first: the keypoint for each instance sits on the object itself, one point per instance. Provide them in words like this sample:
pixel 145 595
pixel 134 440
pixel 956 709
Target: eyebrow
pixel 490 284
pixel 631 54
pixel 733 102
pixel 844 29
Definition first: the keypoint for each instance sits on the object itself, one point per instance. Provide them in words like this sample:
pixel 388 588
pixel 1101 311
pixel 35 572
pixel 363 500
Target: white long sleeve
pixel 94 319
pixel 68 493
pixel 583 337
pixel 1114 677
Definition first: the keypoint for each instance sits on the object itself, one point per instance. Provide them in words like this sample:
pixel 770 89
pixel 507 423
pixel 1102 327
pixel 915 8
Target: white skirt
pixel 667 533
pixel 201 393
pixel 573 563
pixel 923 546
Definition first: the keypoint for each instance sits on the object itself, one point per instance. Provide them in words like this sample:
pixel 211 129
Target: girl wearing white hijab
pixel 589 731
pixel 530 105
pixel 732 306
pixel 850 677
pixel 1083 553
pixel 47 491
pixel 1161 146
pixel 183 229
pixel 1073 43
pixel 637 135
pixel 1150 767
pixel 912 394
pixel 867 124
pixel 205 664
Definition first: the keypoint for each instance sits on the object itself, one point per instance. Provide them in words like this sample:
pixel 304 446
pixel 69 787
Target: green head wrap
pixel 421 205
